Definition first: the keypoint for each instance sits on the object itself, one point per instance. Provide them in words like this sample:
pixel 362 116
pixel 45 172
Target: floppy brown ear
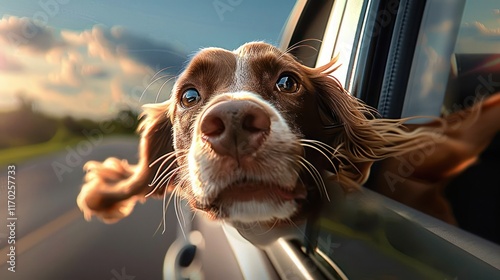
pixel 341 114
pixel 462 136
pixel 361 137
pixel 112 188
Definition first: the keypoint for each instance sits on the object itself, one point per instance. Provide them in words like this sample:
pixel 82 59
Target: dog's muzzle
pixel 235 128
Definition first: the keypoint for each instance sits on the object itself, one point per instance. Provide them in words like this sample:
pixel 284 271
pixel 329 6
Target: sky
pixel 89 59
pixel 480 29
pixel 449 29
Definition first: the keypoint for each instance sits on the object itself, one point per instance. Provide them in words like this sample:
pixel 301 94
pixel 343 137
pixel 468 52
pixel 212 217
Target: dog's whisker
pixel 303 234
pixel 161 171
pixel 160 158
pixel 164 209
pixel 323 153
pixel 158 174
pixel 166 204
pixel 334 154
pixel 322 145
pixel 182 218
pixel 316 175
pixel 153 82
pixel 165 180
pixel 175 194
pixel 166 177
pixel 270 228
pixel 158 185
pixel 193 216
pixel 301 44
pixel 180 214
pixel 306 165
pixel 340 157
pixel 328 148
pixel 162 86
pixel 161 70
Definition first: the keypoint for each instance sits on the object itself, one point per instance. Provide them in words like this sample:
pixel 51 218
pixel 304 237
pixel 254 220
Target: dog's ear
pixel 340 114
pixel 112 188
pixel 359 136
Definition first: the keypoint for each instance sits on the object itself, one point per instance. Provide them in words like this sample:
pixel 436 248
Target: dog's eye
pixel 190 98
pixel 287 84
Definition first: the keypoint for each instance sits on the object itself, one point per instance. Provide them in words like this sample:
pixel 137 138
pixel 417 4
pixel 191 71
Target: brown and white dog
pixel 246 134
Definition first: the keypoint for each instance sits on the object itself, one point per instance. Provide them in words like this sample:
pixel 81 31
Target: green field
pixel 61 139
pixel 25 134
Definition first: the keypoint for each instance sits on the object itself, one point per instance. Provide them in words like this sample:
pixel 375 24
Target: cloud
pixel 69 74
pixel 26 34
pixel 479 30
pixel 74 69
pixel 85 73
pixel 444 26
pixel 429 82
pixel 9 64
pixel 476 37
pixel 94 71
pixel 117 42
pixel 105 43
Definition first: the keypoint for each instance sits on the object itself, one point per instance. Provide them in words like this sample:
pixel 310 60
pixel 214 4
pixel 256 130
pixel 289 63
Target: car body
pixel 395 58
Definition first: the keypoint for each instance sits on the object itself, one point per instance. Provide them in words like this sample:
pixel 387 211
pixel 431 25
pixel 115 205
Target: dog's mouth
pixel 248 191
pixel 256 201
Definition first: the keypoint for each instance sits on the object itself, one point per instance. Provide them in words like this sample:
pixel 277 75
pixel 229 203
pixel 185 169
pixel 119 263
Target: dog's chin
pixel 254 202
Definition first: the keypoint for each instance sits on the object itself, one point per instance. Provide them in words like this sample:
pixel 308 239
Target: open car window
pixel 456 64
pixel 410 58
pixel 456 59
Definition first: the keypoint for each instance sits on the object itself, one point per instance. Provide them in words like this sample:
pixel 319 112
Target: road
pixel 53 241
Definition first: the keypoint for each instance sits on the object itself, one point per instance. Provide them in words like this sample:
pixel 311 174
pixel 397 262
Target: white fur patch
pixel 260 211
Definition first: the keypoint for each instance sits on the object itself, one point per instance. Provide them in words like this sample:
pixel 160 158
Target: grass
pixel 61 139
pixel 24 131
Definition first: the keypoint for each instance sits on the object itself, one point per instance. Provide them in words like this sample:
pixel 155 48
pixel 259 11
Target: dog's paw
pixel 105 191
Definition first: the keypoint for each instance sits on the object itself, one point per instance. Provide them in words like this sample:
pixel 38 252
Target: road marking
pixel 38 235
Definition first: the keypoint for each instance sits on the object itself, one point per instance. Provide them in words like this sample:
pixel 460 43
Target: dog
pixel 246 135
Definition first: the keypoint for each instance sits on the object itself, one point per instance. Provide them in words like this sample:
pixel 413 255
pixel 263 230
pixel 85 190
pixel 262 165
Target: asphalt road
pixel 53 241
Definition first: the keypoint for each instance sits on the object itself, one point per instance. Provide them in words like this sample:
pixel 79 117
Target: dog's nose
pixel 235 128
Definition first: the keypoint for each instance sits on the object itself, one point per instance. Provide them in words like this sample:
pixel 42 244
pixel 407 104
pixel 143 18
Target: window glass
pixel 475 63
pixel 457 56
pixel 456 63
pixel 340 39
pixel 431 61
pixel 360 237
pixel 456 60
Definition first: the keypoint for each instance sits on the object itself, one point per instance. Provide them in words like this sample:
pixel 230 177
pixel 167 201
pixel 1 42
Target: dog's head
pixel 252 130
pixel 245 137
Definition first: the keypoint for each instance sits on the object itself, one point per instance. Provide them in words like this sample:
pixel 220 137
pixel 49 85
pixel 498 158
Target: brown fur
pixel 358 138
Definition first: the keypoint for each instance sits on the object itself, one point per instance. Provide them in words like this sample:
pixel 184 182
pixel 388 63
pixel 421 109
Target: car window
pixel 457 63
pixel 371 237
pixel 341 37
pixel 456 59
